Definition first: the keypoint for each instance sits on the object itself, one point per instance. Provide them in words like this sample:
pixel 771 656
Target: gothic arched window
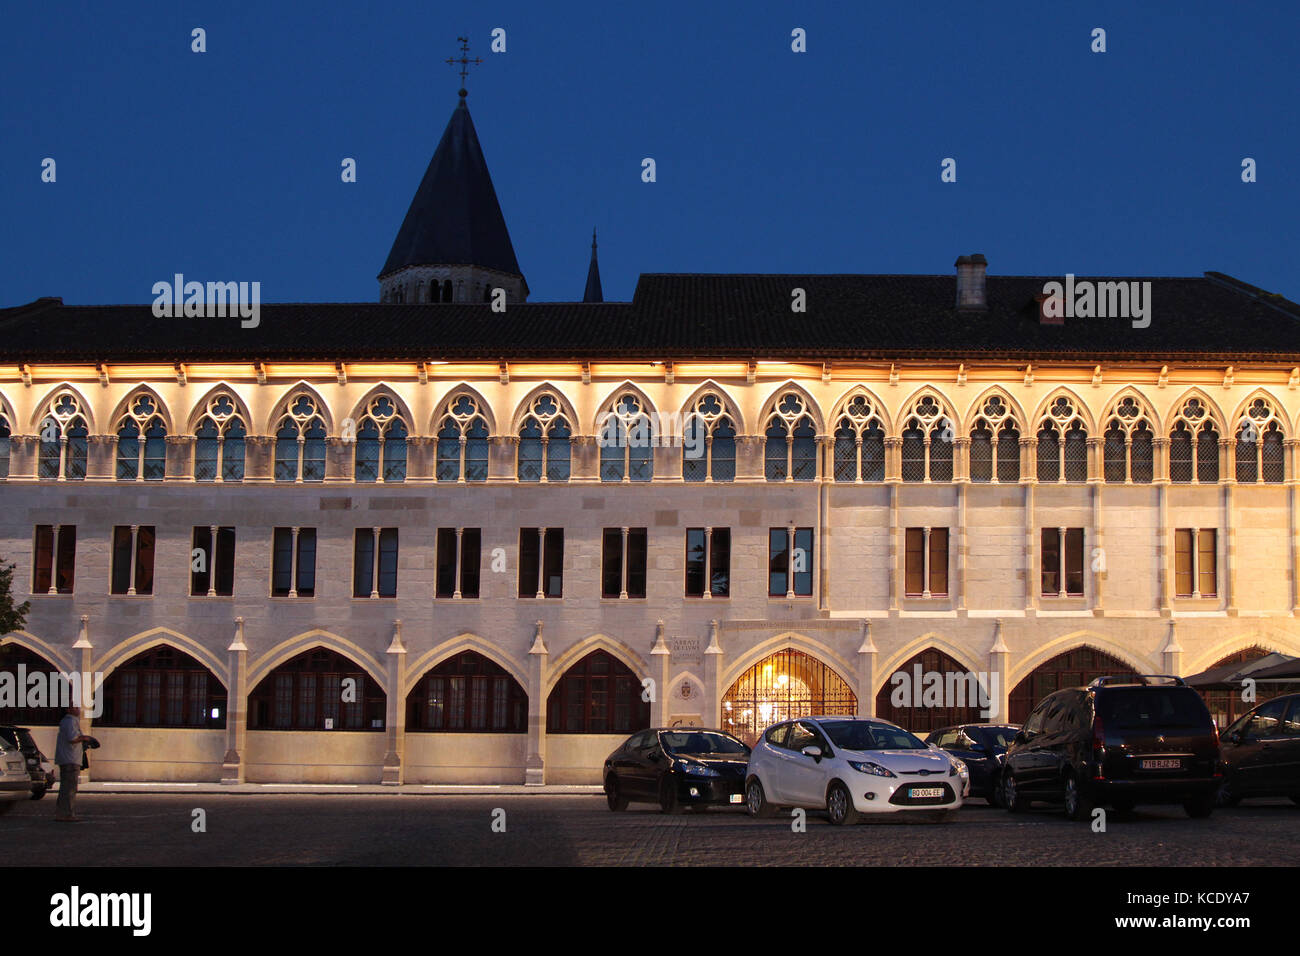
pixel 627 438
pixel 544 441
pixel 136 458
pixel 1062 443
pixel 1194 445
pixel 381 442
pixel 64 439
pixel 219 442
pixel 300 442
pixel 1128 444
pixel 859 442
pixel 462 441
pixel 790 452
pixel 995 443
pixel 928 435
pixel 1259 444
pixel 708 441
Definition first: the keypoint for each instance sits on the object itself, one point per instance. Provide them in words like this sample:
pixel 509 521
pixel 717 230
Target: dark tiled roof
pixel 455 218
pixel 684 317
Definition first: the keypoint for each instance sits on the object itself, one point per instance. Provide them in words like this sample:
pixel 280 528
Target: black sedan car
pixel 1261 753
pixel 677 767
pixel 982 748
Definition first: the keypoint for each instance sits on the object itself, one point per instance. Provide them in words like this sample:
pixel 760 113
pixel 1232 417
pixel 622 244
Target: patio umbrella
pixel 1229 676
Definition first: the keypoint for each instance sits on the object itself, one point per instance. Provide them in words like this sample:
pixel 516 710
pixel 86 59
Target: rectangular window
pixel 55 556
pixel 541 562
pixel 374 573
pixel 458 563
pixel 1195 562
pixel 790 569
pixel 212 563
pixel 293 574
pixel 132 571
pixel 925 566
pixel 696 562
pixel 614 563
pixel 1062 562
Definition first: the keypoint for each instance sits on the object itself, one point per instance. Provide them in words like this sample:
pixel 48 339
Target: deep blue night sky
pixel 225 165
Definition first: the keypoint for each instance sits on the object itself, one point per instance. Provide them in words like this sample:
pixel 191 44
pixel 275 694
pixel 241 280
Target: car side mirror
pixel 813 751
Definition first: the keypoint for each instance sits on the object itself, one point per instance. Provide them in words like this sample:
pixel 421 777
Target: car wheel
pixel 1227 795
pixel 756 800
pixel 1011 797
pixel 839 805
pixel 1201 806
pixel 613 794
pixel 1077 804
pixel 668 802
pixel 38 792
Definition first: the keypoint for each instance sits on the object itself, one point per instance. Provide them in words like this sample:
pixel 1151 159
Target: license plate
pixel 737 798
pixel 1161 764
pixel 923 792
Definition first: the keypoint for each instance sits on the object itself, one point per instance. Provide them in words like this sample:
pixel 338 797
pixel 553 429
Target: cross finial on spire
pixel 465 63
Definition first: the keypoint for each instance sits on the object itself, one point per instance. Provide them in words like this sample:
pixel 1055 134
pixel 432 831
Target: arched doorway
pixel 953 702
pixel 1226 704
pixel 12 658
pixel 309 693
pixel 1075 668
pixel 786 684
pixel 163 687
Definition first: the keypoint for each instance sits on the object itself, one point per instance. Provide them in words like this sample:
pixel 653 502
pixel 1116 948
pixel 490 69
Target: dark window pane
pixel 470 549
pixel 363 563
pixel 553 562
pixel 694 562
pixel 121 573
pixel 282 562
pixel 446 581
pixel 778 562
pixel 611 562
pixel 529 558
pixel 636 562
pixel 388 562
pixel 720 563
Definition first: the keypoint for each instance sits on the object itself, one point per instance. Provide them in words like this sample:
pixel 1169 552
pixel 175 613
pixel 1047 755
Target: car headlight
pixel 698 770
pixel 959 769
pixel 866 766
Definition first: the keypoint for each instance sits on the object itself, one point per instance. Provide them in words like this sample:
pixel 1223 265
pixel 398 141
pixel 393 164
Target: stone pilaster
pixel 395 723
pixel 232 765
pixel 867 654
pixel 535 763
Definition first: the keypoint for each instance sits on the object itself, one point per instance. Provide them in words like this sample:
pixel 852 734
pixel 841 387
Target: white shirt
pixel 67 751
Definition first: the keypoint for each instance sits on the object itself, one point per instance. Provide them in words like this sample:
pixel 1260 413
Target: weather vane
pixel 464 62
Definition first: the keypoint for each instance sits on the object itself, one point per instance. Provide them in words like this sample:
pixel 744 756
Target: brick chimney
pixel 970 282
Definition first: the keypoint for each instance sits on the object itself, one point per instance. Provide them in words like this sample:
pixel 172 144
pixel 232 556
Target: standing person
pixel 67 754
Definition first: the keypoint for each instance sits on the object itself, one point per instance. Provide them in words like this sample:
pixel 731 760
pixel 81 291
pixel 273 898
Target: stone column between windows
pixel 535 762
pixel 293 565
pixel 622 593
pixel 1293 491
pixel 374 564
pixel 708 564
pixel 895 552
pixel 925 562
pixel 1163 532
pixel 1031 585
pixel 821 568
pixel 54 559
pixel 1060 563
pixel 87 669
pixel 790 561
pixel 1196 565
pixel 135 531
pixel 232 764
pixel 394 772
pixel 962 548
pixel 456 568
pixel 866 673
pixel 541 563
pixel 1097 559
pixel 212 559
pixel 1230 549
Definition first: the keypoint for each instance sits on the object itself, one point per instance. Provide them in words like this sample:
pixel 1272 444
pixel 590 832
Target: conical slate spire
pixel 593 293
pixel 455 218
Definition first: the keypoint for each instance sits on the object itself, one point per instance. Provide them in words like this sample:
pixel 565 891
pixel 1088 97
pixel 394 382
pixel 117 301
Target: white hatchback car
pixel 15 781
pixel 848 766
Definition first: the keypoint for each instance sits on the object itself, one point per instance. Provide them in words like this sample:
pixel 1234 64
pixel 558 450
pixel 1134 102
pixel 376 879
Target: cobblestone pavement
pixel 244 830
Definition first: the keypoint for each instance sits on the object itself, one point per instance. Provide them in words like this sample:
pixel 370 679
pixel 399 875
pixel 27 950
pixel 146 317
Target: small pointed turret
pixel 593 293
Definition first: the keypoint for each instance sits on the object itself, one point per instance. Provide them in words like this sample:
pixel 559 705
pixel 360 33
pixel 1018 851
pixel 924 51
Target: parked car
pixel 1119 742
pixel 1261 753
pixel 848 766
pixel 677 768
pixel 39 767
pixel 982 748
pixel 15 781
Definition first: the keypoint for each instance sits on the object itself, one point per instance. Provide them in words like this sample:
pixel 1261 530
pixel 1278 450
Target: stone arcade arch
pixel 786 683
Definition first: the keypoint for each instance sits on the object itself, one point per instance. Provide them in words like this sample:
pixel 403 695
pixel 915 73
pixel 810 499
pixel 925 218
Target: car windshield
pixel 995 736
pixel 1141 706
pixel 862 735
pixel 698 742
pixel 8 741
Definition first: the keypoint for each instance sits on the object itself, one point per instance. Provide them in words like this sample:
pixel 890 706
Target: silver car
pixel 15 781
